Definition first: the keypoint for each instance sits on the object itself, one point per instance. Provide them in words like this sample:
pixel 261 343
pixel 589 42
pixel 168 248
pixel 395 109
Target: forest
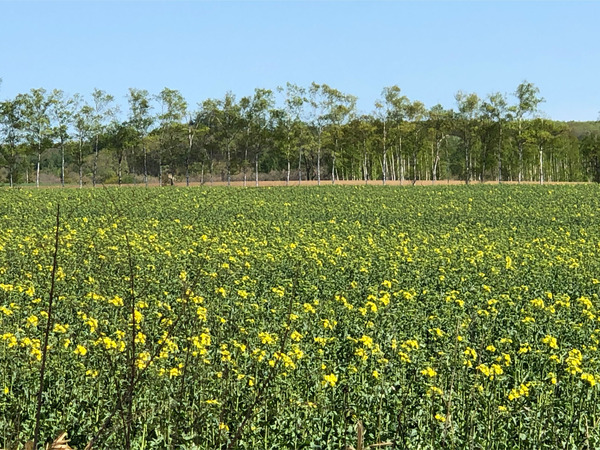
pixel 292 133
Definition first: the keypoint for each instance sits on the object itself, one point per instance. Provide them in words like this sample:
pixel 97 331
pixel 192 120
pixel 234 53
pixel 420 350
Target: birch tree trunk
pixel 467 168
pixel 384 163
pixel 245 164
pixel 520 143
pixel 333 167
pixel 228 165
pixel 256 170
pixel 188 155
pixel 145 164
pixel 159 171
pixel 119 171
pixel 541 164
pixel 62 165
pixel 80 163
pixel 500 156
pixel 95 169
pixel 299 167
pixel 37 173
pixel 319 162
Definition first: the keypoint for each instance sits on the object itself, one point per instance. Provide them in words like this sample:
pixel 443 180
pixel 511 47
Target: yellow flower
pixel 574 362
pixel 471 353
pixel 538 303
pixel 491 371
pixel 361 353
pixel 434 390
pixel 92 323
pixel 329 324
pixel 329 380
pixel 589 378
pixel 440 417
pixel 404 357
pixel 505 357
pixel 143 360
pixel 429 372
pixel 116 300
pixel 80 350
pixel 58 328
pixel 32 321
pixel 521 391
pixel 551 341
pixel 279 291
pixel 369 305
pixel 524 348
pixel 309 308
pixel 295 336
pixel 321 341
pixel 266 338
pixel 411 344
pixel 367 341
pixel 496 370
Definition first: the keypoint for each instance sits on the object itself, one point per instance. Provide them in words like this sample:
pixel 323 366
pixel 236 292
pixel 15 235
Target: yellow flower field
pixel 450 316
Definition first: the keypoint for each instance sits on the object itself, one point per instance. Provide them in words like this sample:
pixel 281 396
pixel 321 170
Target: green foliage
pixel 311 132
pixel 439 317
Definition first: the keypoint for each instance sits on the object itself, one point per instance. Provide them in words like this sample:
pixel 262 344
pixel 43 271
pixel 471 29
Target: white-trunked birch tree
pixel 173 110
pixel 339 109
pixel 390 110
pixel 228 118
pixel 318 120
pixel 141 119
pixel 11 123
pixel 464 123
pixel 62 113
pixel 415 114
pixel 104 112
pixel 36 124
pixel 288 120
pixel 497 108
pixel 83 123
pixel 259 120
pixel 195 127
pixel 439 122
pixel 527 103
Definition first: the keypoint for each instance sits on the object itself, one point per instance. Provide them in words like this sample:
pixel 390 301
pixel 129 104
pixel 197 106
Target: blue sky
pixel 205 48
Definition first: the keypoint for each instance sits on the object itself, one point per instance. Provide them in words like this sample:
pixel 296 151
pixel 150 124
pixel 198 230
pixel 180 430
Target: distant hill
pixel 581 128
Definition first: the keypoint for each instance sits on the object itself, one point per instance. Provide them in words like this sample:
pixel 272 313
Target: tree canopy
pixel 289 133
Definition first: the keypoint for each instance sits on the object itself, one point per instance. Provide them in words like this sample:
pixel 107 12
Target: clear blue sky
pixel 205 48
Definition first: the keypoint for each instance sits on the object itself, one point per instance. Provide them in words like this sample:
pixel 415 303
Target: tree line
pixel 291 133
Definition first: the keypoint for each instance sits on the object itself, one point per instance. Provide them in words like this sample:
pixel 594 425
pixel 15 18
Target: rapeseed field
pixel 432 317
